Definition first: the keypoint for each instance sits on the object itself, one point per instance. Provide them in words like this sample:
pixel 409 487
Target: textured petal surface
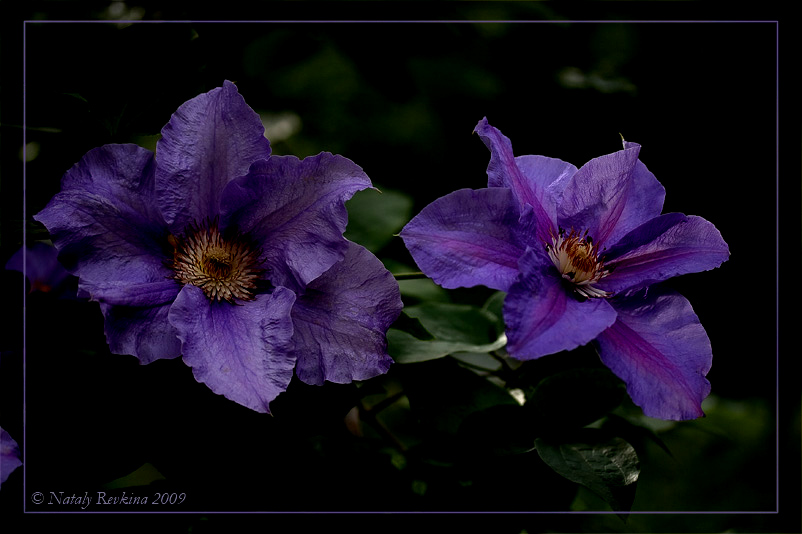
pixel 104 222
pixel 611 195
pixel 209 141
pixel 469 238
pixel 295 210
pixel 144 332
pixel 145 295
pixel 503 171
pixel 110 233
pixel 543 315
pixel 243 351
pixel 549 177
pixel 342 320
pixel 666 246
pixel 660 350
pixel 9 455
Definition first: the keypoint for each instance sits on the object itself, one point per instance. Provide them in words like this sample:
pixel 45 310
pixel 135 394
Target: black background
pixel 400 99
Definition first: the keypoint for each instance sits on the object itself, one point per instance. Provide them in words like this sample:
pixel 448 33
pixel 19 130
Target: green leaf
pixel 453 328
pixel 606 465
pixel 478 360
pixel 494 305
pixel 375 216
pixel 455 322
pixel 412 326
pixel 422 290
pixel 406 348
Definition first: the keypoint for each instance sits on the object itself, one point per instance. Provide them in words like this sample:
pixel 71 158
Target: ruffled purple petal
pixel 610 196
pixel 469 238
pixel 667 246
pixel 661 351
pixel 503 171
pixel 549 177
pixel 295 210
pixel 209 141
pixel 143 332
pixel 105 222
pixel 9 455
pixel 544 316
pixel 146 295
pixel 242 352
pixel 342 320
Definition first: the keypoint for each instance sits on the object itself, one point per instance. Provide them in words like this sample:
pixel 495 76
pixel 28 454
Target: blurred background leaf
pixel 375 216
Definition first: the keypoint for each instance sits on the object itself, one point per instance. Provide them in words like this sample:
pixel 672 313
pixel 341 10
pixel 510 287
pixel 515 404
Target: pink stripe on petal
pixel 661 351
pixel 543 315
pixel 503 171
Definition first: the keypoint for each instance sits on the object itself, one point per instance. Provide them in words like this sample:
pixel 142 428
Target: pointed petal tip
pixel 481 125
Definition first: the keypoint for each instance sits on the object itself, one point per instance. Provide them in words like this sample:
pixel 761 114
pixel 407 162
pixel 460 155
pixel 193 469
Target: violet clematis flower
pixel 9 455
pixel 218 251
pixel 577 251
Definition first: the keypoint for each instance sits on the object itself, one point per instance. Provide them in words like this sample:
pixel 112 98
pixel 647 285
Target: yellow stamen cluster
pixel 577 259
pixel 224 268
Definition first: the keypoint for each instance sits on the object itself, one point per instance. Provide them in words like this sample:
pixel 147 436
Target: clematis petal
pixel 9 455
pixel 240 351
pixel 543 316
pixel 295 210
pixel 342 320
pixel 135 317
pixel 529 188
pixel 146 295
pixel 469 238
pixel 610 196
pixel 503 171
pixel 667 246
pixel 141 331
pixel 660 350
pixel 105 222
pixel 209 141
pixel 549 177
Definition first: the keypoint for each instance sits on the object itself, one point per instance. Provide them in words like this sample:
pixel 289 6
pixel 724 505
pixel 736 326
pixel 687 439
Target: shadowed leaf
pixel 606 465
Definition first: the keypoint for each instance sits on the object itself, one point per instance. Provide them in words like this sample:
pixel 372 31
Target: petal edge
pixel 660 350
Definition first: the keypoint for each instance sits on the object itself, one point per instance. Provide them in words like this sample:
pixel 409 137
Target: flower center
pixel 577 259
pixel 225 268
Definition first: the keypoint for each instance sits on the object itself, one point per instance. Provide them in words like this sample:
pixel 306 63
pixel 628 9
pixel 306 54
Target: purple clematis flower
pixel 9 455
pixel 218 251
pixel 577 251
